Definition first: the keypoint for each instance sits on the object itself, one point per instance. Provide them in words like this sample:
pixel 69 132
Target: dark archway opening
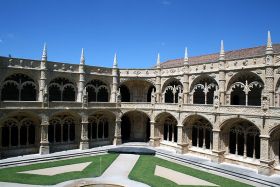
pixel 135 127
pixel 125 94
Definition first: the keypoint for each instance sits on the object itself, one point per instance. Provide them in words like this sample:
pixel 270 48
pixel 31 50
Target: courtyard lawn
pixel 93 170
pixel 143 171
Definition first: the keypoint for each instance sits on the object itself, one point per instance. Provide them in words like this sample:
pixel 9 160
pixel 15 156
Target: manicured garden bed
pixel 143 171
pixel 93 170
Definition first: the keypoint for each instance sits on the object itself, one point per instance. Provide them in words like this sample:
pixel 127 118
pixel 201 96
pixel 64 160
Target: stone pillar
pixel 154 139
pixel 42 85
pixel 81 87
pixel 158 87
pixel 269 70
pixel 43 75
pixel 222 74
pixel 269 84
pixel 84 143
pixel 217 152
pixel 44 143
pixel 118 132
pixel 114 85
pixel 222 81
pixel 266 163
pixel 182 145
pixel 186 88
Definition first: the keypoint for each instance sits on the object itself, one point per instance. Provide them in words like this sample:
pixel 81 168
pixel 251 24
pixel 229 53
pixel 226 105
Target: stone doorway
pixel 135 127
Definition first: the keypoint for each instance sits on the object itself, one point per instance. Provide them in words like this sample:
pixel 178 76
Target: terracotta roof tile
pixel 235 54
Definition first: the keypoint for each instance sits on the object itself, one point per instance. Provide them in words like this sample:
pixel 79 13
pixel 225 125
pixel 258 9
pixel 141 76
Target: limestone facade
pixel 224 107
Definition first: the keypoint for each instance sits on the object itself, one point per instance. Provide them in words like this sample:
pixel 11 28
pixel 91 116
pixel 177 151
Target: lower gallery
pixel 223 106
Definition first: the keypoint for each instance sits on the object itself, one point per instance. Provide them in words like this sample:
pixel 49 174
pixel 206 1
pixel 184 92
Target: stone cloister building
pixel 222 106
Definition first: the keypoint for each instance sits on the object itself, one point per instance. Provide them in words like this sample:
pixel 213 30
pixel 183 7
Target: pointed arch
pixel 19 87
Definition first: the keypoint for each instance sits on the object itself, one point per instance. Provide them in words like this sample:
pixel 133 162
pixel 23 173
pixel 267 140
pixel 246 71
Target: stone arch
pixel 167 127
pixel 197 130
pixel 62 89
pixel 19 130
pixel 245 88
pixel 202 89
pixel 19 87
pixel 101 127
pixel 241 137
pixel 135 90
pixel 98 91
pixel 64 130
pixel 171 89
pixel 135 125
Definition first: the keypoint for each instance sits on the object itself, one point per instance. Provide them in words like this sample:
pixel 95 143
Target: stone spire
pixel 115 64
pixel 222 51
pixel 158 61
pixel 82 59
pixel 44 55
pixel 269 49
pixel 186 58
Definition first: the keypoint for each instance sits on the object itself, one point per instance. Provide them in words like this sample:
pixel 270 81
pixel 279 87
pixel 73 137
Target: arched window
pixel 18 87
pixel 18 133
pixel 245 88
pixel 61 89
pixel 202 135
pixel 62 129
pixel 171 91
pixel 170 130
pixel 98 128
pixel 243 139
pixel 202 89
pixel 98 91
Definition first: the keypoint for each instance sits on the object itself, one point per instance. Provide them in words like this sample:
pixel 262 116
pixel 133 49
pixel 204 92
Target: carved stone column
pixel 266 163
pixel 84 143
pixel 114 85
pixel 222 81
pixel 269 84
pixel 154 139
pixel 158 87
pixel 44 143
pixel 42 85
pixel 186 88
pixel 182 145
pixel 118 132
pixel 81 86
pixel 217 152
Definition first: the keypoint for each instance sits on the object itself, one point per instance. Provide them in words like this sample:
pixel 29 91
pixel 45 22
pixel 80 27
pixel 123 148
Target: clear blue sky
pixel 136 29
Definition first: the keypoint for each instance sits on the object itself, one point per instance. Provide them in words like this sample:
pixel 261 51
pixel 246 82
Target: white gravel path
pixel 59 169
pixel 180 178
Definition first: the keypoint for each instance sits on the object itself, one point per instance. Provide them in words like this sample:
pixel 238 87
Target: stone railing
pixel 20 104
pixel 199 108
pixel 238 109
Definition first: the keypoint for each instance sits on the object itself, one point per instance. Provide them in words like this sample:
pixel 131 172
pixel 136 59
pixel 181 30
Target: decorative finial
pixel 44 55
pixel 269 49
pixel 222 51
pixel 186 59
pixel 82 60
pixel 115 64
pixel 158 61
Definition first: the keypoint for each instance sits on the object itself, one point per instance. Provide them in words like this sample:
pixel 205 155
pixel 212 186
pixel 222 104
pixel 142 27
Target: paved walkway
pixel 117 173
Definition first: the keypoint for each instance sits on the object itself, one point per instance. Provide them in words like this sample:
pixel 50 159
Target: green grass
pixel 143 171
pixel 93 170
